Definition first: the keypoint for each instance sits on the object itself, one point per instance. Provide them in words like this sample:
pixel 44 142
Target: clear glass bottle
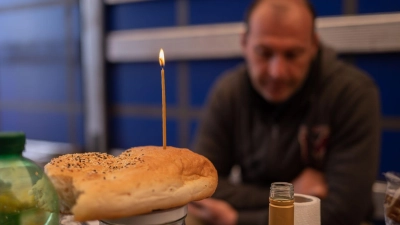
pixel 281 204
pixel 27 197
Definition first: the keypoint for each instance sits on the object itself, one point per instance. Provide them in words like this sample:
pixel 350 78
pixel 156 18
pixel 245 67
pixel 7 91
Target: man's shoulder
pixel 232 80
pixel 340 76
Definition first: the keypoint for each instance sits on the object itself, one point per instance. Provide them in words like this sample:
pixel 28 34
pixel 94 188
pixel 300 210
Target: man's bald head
pixel 279 9
pixel 279 47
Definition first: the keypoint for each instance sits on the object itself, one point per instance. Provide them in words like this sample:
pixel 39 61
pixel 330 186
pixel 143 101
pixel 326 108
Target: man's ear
pixel 316 42
pixel 243 41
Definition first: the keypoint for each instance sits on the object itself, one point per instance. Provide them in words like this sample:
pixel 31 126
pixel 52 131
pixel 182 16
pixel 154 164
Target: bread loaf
pixel 94 186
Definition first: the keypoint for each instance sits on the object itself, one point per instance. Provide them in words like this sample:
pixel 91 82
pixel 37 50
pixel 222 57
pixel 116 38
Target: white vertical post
pixel 92 38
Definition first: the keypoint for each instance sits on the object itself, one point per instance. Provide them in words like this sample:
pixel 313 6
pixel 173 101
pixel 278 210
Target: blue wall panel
pixel 76 23
pixel 145 14
pixel 375 6
pixel 385 70
pixel 33 82
pixel 32 55
pixel 44 126
pixel 327 8
pixel 222 11
pixel 203 75
pixel 78 85
pixel 40 63
pixel 140 83
pixel 76 59
pixel 194 125
pixel 12 3
pixel 126 132
pixel 80 129
pixel 390 153
pixel 212 11
pixel 28 26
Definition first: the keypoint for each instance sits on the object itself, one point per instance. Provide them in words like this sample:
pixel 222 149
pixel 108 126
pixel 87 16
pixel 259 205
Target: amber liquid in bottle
pixel 281 204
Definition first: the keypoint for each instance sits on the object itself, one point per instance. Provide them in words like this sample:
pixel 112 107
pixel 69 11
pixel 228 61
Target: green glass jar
pixel 27 196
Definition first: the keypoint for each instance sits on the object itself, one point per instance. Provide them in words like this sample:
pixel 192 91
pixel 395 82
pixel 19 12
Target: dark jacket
pixel 331 124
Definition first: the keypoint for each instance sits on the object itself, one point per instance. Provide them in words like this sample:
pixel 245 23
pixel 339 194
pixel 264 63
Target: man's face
pixel 279 48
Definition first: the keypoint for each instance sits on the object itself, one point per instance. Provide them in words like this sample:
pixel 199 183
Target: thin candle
pixel 164 105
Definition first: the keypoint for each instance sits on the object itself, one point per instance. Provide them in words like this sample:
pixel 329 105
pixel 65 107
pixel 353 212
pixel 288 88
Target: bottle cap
pixel 12 143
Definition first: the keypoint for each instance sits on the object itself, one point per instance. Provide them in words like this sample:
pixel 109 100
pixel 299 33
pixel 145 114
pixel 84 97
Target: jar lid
pixel 156 217
pixel 12 142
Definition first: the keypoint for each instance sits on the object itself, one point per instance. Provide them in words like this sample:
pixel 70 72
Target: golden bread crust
pixel 97 186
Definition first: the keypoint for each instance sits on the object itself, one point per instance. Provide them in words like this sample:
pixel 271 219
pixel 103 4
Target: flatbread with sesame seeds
pixel 95 186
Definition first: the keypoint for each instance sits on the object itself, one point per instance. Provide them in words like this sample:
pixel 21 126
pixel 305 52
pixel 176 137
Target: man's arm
pixel 219 212
pixel 251 201
pixel 353 156
pixel 215 140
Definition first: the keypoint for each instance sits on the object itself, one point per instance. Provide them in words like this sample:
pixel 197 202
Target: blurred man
pixel 292 113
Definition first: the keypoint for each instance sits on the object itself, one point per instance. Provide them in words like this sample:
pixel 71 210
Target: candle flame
pixel 161 58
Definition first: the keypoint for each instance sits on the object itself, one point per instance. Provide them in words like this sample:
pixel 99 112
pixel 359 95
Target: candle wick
pixel 161 62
